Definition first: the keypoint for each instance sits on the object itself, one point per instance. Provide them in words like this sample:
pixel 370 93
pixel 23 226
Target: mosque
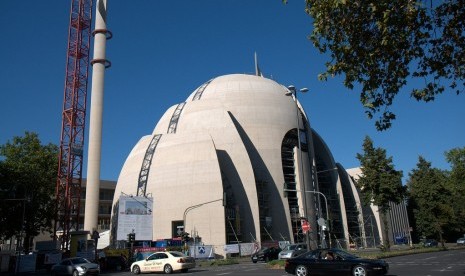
pixel 238 162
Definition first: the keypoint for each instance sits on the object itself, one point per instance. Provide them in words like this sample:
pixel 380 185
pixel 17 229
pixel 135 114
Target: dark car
pixel 430 243
pixel 266 254
pixel 75 267
pixel 113 263
pixel 341 263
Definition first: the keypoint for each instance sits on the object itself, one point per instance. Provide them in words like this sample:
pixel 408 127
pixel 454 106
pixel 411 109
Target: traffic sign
pixel 305 225
pixel 321 222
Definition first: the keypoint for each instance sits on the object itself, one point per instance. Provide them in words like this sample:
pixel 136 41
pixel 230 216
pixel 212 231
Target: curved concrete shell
pixel 236 135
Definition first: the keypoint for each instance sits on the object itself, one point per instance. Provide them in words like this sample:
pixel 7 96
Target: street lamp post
pixel 194 207
pixel 293 91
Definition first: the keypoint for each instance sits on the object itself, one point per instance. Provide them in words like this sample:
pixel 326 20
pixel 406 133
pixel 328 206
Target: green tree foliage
pixel 380 43
pixel 28 172
pixel 456 158
pixel 430 197
pixel 379 183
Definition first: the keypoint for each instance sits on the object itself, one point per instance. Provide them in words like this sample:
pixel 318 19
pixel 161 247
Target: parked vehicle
pixel 266 254
pixel 292 250
pixel 430 243
pixel 461 241
pixel 75 267
pixel 113 263
pixel 167 262
pixel 341 263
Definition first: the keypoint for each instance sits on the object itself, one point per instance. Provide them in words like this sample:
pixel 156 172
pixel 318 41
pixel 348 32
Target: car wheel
pixel 359 271
pixel 301 270
pixel 254 261
pixel 168 269
pixel 136 269
pixel 75 273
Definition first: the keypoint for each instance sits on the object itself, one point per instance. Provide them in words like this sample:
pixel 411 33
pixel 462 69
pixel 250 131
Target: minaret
pixel 99 63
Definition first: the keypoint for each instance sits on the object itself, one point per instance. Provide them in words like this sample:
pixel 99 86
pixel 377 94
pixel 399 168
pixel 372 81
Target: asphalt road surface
pixel 444 263
pixel 243 269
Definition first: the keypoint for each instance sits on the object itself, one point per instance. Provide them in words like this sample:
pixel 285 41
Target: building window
pixel 106 194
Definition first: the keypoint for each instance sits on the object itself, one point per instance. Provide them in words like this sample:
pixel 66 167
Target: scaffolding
pixel 289 167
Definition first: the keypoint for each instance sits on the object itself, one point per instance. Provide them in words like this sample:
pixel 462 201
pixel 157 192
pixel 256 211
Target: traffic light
pixel 131 237
pixel 185 237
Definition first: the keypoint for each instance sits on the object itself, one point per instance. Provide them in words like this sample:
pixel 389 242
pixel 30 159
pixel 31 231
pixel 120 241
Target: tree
pixel 430 195
pixel 380 183
pixel 456 157
pixel 28 172
pixel 380 43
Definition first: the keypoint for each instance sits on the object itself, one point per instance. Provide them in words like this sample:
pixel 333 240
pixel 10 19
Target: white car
pixel 292 250
pixel 461 241
pixel 167 262
pixel 75 267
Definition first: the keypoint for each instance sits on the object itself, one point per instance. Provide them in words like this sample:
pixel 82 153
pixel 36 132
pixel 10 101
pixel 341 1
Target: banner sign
pixel 201 252
pixel 250 248
pixel 135 214
pixel 231 248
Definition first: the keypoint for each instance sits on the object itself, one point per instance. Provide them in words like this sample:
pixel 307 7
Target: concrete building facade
pixel 217 165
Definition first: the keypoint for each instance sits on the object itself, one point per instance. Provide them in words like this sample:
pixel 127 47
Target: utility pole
pixel 327 213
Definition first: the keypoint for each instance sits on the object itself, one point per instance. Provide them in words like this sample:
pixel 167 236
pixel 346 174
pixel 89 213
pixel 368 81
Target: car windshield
pixel 346 255
pixel 263 249
pixel 294 246
pixel 80 261
pixel 310 255
pixel 177 254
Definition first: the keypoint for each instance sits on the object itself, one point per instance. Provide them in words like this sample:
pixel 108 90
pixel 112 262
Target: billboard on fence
pixel 201 252
pixel 135 213
pixel 245 249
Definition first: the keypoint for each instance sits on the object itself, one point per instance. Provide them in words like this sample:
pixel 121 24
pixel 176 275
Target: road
pixel 444 263
pixel 243 269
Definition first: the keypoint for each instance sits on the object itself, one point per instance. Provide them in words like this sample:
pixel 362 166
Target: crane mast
pixel 70 160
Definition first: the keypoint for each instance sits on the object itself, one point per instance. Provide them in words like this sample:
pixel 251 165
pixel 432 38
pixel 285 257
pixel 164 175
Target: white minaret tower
pixel 99 63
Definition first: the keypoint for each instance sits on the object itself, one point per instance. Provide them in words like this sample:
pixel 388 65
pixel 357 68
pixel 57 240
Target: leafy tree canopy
pixel 456 157
pixel 380 43
pixel 380 183
pixel 27 185
pixel 431 197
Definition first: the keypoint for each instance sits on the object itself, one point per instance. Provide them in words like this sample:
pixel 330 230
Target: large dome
pixel 234 136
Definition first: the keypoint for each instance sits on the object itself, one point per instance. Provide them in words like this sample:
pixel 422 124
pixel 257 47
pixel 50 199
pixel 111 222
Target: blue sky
pixel 163 50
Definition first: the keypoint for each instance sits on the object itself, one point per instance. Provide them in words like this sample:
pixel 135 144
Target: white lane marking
pixel 446 269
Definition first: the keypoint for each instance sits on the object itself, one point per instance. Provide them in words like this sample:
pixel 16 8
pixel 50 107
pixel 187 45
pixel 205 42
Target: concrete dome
pixel 231 136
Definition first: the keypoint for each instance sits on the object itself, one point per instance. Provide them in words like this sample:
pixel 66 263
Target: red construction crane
pixel 68 188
